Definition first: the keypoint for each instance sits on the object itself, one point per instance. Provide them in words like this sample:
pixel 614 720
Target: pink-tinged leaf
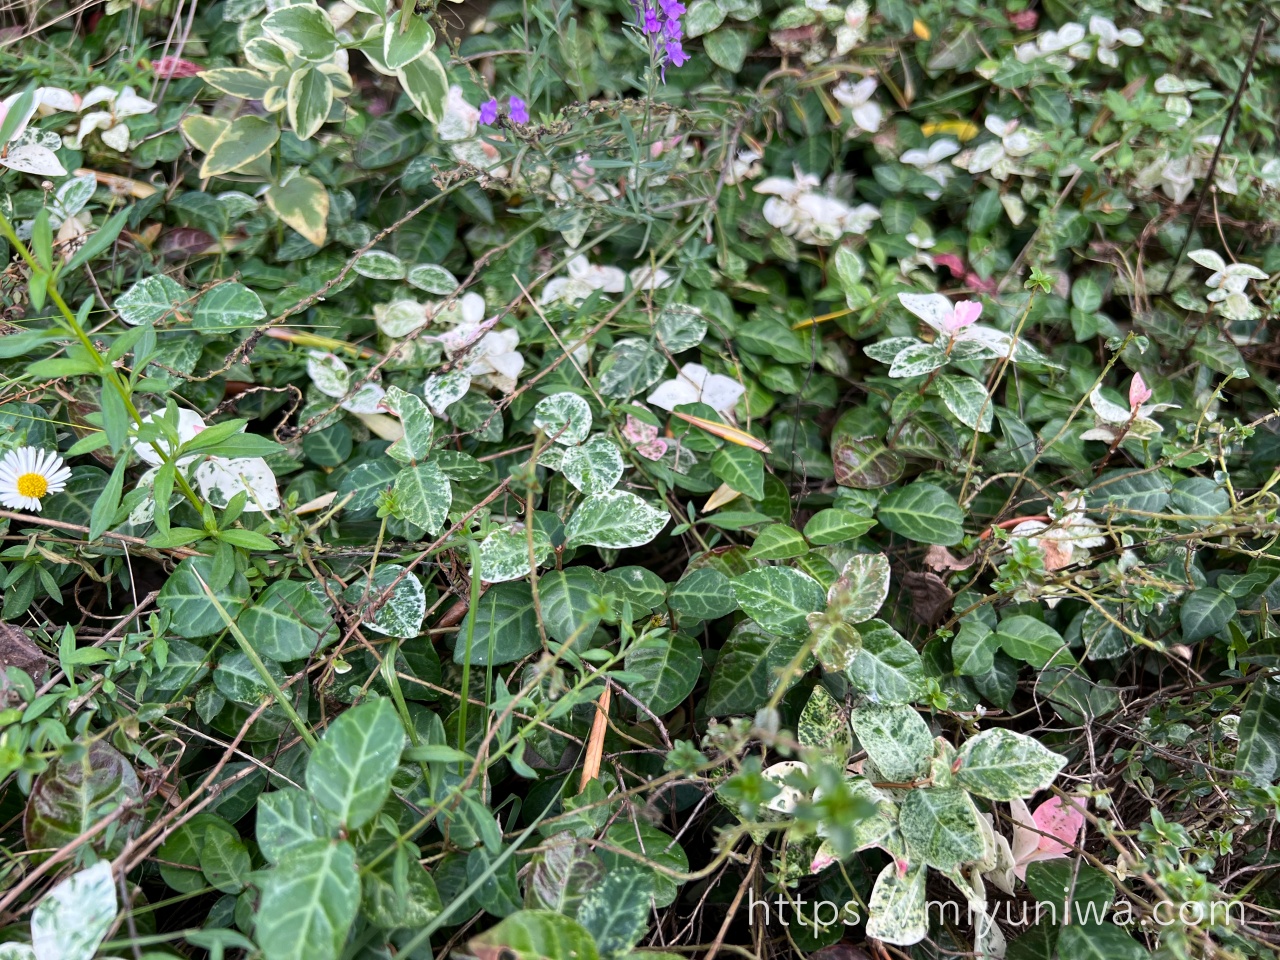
pixel 987 285
pixel 1023 19
pixel 965 314
pixel 1062 820
pixel 951 262
pixel 637 431
pixel 1139 392
pixel 183 242
pixel 175 68
pixel 821 861
pixel 653 450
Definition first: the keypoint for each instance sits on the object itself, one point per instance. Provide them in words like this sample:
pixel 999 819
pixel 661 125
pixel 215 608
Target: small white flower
pixel 1000 156
pixel 745 166
pixel 853 31
pixel 694 384
pixel 1109 38
pixel 929 161
pixel 866 113
pixel 648 280
pixel 119 107
pixel 584 278
pixel 1060 48
pixel 796 209
pixel 28 475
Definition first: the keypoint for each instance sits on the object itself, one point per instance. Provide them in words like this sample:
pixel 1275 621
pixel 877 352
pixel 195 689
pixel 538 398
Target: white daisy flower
pixel 28 475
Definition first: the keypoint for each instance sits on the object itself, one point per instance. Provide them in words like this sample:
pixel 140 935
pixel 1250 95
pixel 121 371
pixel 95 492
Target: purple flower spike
pixel 676 54
pixel 672 9
pixel 489 112
pixel 519 112
pixel 651 24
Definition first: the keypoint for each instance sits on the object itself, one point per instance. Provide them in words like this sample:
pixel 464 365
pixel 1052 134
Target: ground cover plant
pixel 588 480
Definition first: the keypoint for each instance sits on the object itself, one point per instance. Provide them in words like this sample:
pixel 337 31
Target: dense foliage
pixel 588 480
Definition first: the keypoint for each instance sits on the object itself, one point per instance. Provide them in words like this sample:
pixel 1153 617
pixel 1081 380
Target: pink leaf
pixel 966 313
pixel 1139 392
pixel 175 68
pixel 951 262
pixel 1063 820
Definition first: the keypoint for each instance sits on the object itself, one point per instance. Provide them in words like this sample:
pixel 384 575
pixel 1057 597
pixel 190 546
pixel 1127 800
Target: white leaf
pixel 71 920
pixel 1209 259
pixel 34 159
pixel 219 479
pixel 329 373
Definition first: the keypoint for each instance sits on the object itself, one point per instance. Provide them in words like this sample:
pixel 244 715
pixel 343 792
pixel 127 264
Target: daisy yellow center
pixel 33 485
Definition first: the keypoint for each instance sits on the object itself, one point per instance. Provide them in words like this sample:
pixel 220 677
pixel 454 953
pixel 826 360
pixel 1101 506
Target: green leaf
pixel 302 203
pixel 304 30
pixel 924 513
pixel 286 820
pixel 747 671
pixel 423 496
pixel 73 918
pixel 887 668
pixel 535 935
pixel 940 825
pixel 1033 641
pixel 1099 941
pixel 1258 755
pixel 432 278
pixel 1002 765
pixel 224 860
pixel 349 771
pixel 190 611
pixel 861 589
pixel 973 649
pixel 836 526
pixel 778 541
pixel 656 847
pixel 1129 490
pixel 108 502
pixel 379 265
pixel 399 893
pixel 616 520
pixel 288 622
pixel 741 468
pixel 244 140
pixel 667 669
pixel 615 911
pixel 240 82
pixel 703 594
pixel 896 739
pixel 418 423
pixel 1206 613
pixel 572 603
pixel 506 628
pixel 309 901
pixel 309 96
pixel 228 306
pixel 780 599
pixel 728 47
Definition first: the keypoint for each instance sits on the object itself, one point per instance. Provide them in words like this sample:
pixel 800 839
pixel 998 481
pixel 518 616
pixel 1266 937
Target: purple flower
pixel 519 112
pixel 672 30
pixel 676 54
pixel 672 9
pixel 651 24
pixel 489 112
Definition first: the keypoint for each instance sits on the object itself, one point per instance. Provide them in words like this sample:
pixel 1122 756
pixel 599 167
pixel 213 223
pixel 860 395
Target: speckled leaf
pixel 380 265
pixel 149 300
pixel 505 552
pixel 917 360
pixel 823 722
pixel 72 919
pixel 1002 765
pixel 861 589
pixel 594 467
pixel 564 417
pixel 780 599
pixel 418 423
pixel 835 644
pixel 896 739
pixel 897 907
pixel 940 825
pixel 887 669
pixel 968 400
pixel 615 520
pixel 401 615
pixel 423 496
